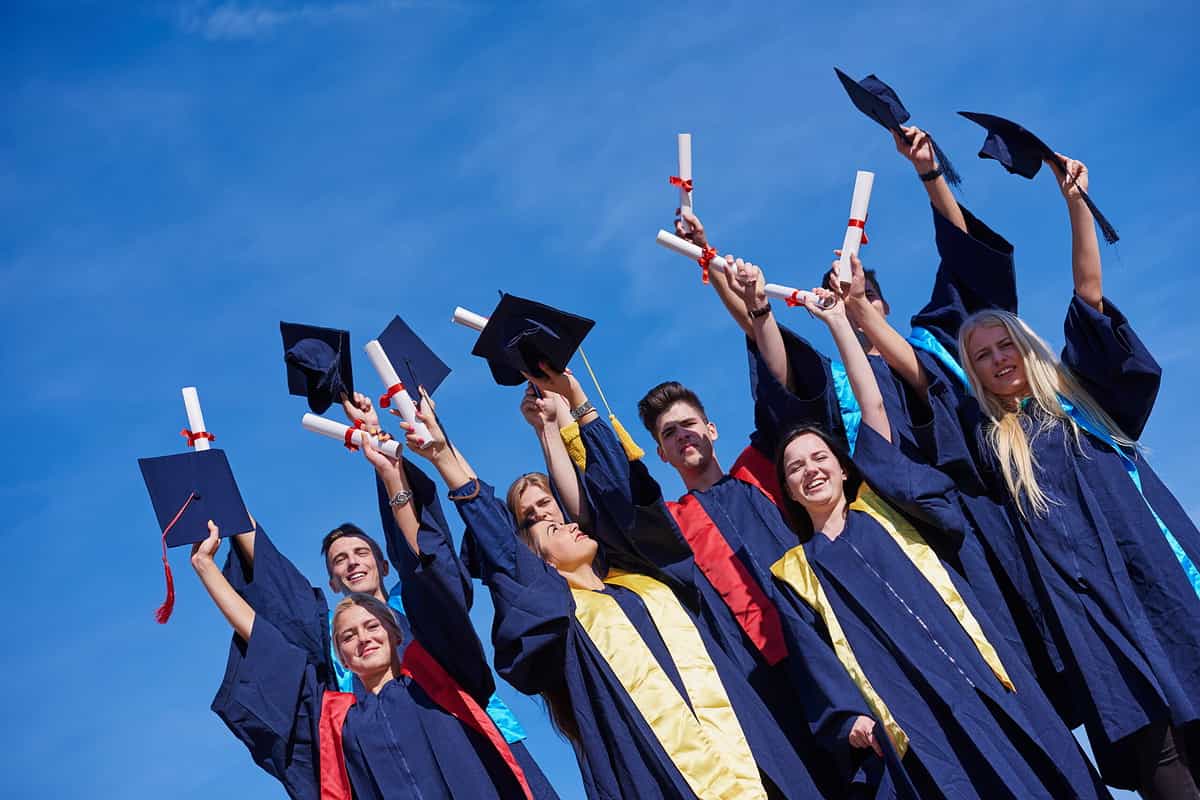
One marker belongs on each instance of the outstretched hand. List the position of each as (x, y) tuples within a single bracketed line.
[(381, 461), (544, 411), (1073, 179), (696, 235), (917, 146), (435, 446), (748, 281), (359, 408), (204, 552)]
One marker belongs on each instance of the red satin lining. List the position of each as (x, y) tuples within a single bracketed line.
[(753, 610), (335, 781), (757, 470)]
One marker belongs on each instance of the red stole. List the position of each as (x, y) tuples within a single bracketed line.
[(427, 673), (753, 610)]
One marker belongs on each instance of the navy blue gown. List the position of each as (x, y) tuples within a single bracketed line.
[(541, 648), (809, 693), (398, 743), (969, 735), (975, 272), (1121, 606)]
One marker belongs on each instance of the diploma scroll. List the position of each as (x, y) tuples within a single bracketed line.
[(396, 393), (468, 319), (791, 296), (685, 175), (856, 227), (336, 430), (191, 403)]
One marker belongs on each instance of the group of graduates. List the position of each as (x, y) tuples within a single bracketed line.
[(939, 554)]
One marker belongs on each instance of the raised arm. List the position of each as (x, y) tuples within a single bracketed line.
[(232, 605), (725, 291), (1085, 245), (916, 146), (548, 414), (854, 358)]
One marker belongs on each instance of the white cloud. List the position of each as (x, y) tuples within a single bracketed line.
[(232, 21)]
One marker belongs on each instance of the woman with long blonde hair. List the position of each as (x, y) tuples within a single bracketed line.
[(1114, 556)]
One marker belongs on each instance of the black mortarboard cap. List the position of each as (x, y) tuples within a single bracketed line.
[(187, 490), (318, 363), (1022, 153), (520, 333), (880, 102), (412, 359)]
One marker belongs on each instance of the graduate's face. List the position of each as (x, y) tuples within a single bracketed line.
[(814, 476), (563, 545), (353, 567), (536, 504), (685, 438), (998, 362), (365, 644)]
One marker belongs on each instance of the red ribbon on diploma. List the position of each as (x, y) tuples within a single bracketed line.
[(705, 258), (859, 223), (685, 185), (385, 399), (350, 445), (793, 299), (192, 437)]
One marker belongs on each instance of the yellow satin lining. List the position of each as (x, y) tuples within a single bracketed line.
[(794, 570), (707, 746), (927, 562), (573, 440)]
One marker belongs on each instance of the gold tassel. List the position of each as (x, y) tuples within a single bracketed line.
[(632, 451)]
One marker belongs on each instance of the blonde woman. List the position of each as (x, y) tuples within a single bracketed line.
[(1113, 554)]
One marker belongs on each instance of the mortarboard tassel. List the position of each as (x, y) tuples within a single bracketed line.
[(164, 611), (1106, 228), (632, 451), (948, 171)]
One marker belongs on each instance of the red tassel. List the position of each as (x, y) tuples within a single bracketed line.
[(164, 611)]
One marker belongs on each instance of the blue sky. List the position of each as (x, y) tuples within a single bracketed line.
[(175, 178)]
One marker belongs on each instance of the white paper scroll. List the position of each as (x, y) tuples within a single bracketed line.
[(788, 294), (468, 319), (191, 402), (685, 175), (856, 227), (336, 430), (397, 396)]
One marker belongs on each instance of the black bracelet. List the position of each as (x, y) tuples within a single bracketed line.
[(932, 175), (761, 311)]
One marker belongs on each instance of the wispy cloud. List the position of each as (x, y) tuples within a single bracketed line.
[(232, 21)]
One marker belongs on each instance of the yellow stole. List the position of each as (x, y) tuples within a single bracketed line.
[(794, 570), (929, 565), (705, 742)]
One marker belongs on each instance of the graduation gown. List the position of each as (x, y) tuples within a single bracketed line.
[(973, 719), (543, 646), (398, 743), (975, 272), (1123, 609), (807, 692)]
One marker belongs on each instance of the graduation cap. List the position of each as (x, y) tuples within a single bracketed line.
[(412, 359), (187, 490), (1022, 153), (318, 363), (880, 102), (521, 333)]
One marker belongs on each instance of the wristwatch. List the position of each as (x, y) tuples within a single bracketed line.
[(401, 499), (761, 311), (932, 175), (579, 412)]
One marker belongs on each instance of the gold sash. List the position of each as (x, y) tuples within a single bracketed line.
[(707, 746), (927, 562)]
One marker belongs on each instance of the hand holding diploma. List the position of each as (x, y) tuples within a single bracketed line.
[(396, 393), (856, 228), (351, 437)]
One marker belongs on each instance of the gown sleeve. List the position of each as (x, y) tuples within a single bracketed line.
[(278, 592), (270, 699), (435, 587), (534, 607), (1112, 363), (975, 272), (920, 491), (812, 399)]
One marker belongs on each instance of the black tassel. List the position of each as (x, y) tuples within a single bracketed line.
[(1106, 228), (948, 171)]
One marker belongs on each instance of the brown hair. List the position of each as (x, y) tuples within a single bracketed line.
[(662, 397), (795, 513), (351, 530)]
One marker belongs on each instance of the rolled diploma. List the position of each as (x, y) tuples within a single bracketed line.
[(693, 251), (685, 174), (191, 402), (863, 182), (468, 319), (336, 430), (401, 399)]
